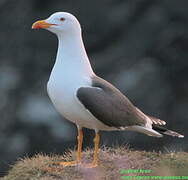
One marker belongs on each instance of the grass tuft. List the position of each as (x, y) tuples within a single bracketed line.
[(112, 160)]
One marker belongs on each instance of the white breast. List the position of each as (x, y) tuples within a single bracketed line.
[(62, 93), (71, 71)]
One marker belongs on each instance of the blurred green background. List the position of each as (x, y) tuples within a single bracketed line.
[(141, 46)]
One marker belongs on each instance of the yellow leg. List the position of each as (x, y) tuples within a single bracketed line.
[(79, 151), (80, 141), (96, 152)]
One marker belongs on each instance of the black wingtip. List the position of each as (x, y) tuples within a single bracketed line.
[(173, 133), (163, 130)]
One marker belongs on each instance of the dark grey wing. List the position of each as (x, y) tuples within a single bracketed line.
[(109, 105)]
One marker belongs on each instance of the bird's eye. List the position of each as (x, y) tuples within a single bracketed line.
[(62, 19)]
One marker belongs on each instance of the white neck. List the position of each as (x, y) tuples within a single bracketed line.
[(71, 56)]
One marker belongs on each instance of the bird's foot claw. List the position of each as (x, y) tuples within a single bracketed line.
[(60, 165), (69, 163), (91, 165)]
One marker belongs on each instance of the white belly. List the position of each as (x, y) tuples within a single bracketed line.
[(63, 96)]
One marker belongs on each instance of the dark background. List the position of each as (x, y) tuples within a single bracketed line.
[(141, 46)]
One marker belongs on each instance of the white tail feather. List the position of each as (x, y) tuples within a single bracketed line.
[(145, 130)]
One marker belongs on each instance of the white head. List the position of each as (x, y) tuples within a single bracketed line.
[(59, 23)]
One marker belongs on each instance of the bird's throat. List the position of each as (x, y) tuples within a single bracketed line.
[(71, 55)]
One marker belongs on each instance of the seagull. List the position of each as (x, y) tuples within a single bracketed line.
[(84, 98)]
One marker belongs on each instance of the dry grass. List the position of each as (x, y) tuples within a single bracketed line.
[(112, 160)]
